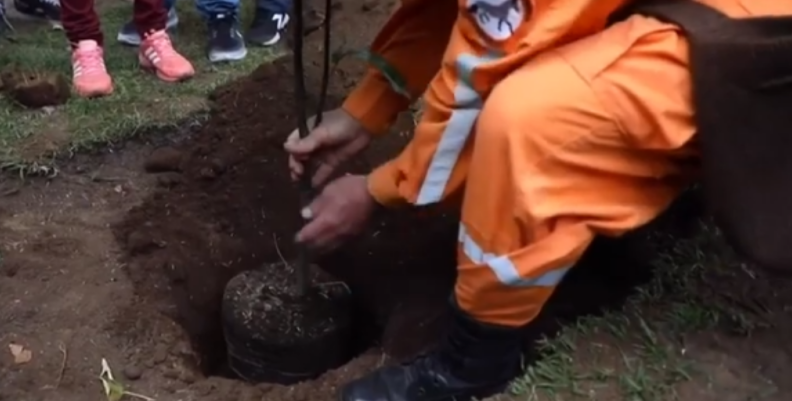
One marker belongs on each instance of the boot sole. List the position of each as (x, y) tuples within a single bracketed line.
[(234, 55), (165, 78)]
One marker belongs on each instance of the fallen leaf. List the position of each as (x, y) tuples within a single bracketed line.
[(21, 355), (115, 390)]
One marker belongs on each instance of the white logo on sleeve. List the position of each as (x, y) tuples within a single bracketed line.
[(497, 18)]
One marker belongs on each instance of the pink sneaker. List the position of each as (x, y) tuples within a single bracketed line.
[(89, 75), (157, 53)]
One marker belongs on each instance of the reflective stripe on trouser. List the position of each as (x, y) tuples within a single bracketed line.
[(492, 288), (585, 139)]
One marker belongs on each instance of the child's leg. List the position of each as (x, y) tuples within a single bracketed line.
[(129, 35), (149, 16), (211, 8), (80, 21), (89, 75), (156, 50), (222, 18), (276, 6)]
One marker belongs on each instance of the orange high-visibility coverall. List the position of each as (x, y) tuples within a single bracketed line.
[(556, 127)]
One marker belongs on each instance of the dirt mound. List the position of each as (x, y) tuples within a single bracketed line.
[(234, 208)]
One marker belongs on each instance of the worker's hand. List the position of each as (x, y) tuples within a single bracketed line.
[(340, 211), (334, 141)]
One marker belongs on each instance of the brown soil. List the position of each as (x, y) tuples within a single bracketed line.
[(276, 334), (200, 241), (111, 261), (264, 301), (34, 90)]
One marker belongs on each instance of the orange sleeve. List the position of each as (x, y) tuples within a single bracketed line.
[(426, 171), (433, 166), (412, 42)]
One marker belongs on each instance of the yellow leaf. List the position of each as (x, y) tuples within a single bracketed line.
[(116, 390), (20, 353)]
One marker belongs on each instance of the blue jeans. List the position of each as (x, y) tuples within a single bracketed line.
[(275, 6), (211, 7)]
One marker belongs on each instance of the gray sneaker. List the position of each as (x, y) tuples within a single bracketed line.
[(49, 10), (5, 24), (128, 34)]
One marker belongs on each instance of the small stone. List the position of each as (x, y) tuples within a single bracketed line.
[(188, 377), (139, 242), (162, 160), (265, 388), (249, 394), (218, 165), (160, 354), (169, 180), (182, 348), (9, 269), (171, 387), (132, 372), (207, 173), (171, 374)]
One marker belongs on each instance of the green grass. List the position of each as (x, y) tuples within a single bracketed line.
[(30, 139), (640, 353)]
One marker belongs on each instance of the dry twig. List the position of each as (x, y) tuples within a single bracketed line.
[(65, 353), (277, 249)]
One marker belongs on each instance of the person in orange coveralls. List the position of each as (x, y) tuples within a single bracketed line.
[(555, 125)]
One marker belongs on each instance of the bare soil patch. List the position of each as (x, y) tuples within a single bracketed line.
[(126, 253)]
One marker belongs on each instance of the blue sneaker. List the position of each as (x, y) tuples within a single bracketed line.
[(267, 27), (128, 34), (225, 41)]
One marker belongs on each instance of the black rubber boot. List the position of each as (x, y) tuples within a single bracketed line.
[(475, 360)]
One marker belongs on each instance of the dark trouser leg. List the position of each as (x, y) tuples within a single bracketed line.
[(80, 21)]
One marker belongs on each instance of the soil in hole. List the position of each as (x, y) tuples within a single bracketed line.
[(228, 205), (276, 334)]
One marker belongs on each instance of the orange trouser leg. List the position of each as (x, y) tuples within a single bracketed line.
[(580, 141), (592, 138)]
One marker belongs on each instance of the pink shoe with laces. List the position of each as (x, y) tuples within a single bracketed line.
[(157, 53), (89, 75)]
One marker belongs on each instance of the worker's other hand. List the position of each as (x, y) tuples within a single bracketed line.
[(339, 137), (340, 211)]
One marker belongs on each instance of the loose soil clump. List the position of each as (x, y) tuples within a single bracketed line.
[(33, 89)]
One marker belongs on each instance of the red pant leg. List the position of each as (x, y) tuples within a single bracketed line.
[(80, 21), (150, 15)]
